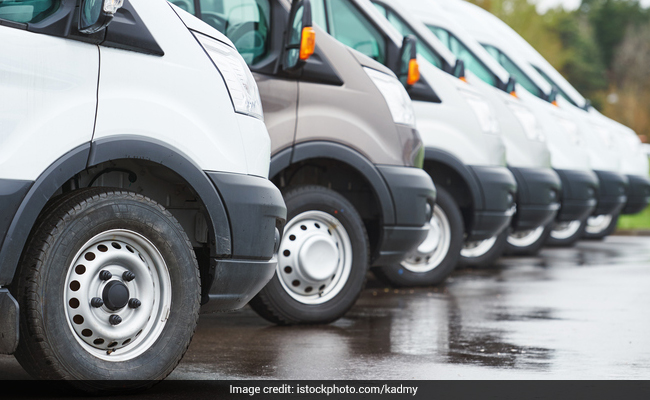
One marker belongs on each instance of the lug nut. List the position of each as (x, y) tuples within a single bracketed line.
[(134, 303), (105, 275), (128, 276), (96, 302), (115, 319)]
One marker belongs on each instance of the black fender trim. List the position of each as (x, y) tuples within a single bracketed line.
[(461, 169), (280, 161), (38, 195), (144, 148), (324, 149)]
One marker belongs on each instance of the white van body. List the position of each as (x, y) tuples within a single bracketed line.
[(604, 157), (527, 153), (140, 134)]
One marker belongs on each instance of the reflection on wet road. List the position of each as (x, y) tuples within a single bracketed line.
[(570, 313)]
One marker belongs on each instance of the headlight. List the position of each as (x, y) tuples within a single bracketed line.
[(483, 111), (239, 80), (571, 128), (528, 121), (398, 100)]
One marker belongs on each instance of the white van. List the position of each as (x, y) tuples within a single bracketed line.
[(604, 158), (634, 161), (570, 161), (527, 154), (133, 172)]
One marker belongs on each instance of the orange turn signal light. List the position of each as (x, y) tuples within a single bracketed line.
[(554, 102), (514, 94), (462, 78), (307, 43), (414, 72)]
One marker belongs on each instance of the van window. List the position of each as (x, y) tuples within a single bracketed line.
[(514, 71), (245, 22), (472, 63), (348, 25), (25, 11), (556, 87), (404, 29)]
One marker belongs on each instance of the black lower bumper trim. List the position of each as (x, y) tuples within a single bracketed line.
[(612, 194), (8, 322), (397, 242), (538, 194), (579, 191), (236, 282), (499, 188), (255, 209), (638, 194)]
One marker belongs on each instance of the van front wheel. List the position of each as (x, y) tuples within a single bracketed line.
[(109, 289), (435, 258), (322, 260)]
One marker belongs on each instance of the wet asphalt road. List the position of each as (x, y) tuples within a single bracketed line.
[(577, 313)]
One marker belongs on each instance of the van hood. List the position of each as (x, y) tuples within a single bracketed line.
[(366, 61), (197, 25)]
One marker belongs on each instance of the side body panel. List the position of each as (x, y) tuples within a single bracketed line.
[(355, 114), (48, 101), (178, 98)]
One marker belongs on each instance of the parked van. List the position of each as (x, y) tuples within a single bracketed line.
[(557, 130), (527, 154), (129, 197), (604, 159), (634, 161), (465, 154), (346, 154)]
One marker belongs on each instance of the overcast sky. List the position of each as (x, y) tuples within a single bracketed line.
[(542, 5)]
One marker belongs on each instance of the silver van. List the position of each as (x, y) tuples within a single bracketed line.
[(345, 153)]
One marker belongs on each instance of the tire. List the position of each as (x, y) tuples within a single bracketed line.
[(437, 257), (484, 253), (324, 229), (598, 228), (527, 243), (568, 234), (64, 334)]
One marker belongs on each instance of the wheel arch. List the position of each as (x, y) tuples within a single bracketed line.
[(450, 173), (346, 158), (83, 157)]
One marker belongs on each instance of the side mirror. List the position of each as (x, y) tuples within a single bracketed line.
[(300, 41), (409, 69), (459, 70), (95, 15)]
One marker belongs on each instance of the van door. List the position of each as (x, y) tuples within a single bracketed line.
[(49, 91), (256, 31)]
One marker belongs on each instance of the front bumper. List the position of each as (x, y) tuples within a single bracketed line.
[(414, 196), (579, 189), (498, 187), (8, 322), (538, 197), (256, 212), (612, 194), (638, 194)]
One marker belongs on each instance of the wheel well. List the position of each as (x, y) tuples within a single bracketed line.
[(164, 186), (343, 179), (446, 177)]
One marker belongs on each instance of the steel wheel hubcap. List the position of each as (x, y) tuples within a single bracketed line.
[(477, 248), (525, 238), (117, 295), (435, 247), (315, 257), (564, 230), (597, 224)]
